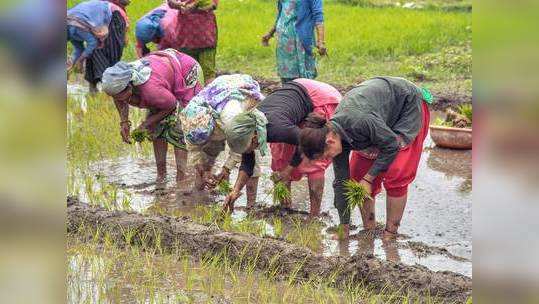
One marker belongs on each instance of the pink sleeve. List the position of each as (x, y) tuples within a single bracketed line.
[(158, 97)]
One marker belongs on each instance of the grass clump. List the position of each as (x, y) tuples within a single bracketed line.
[(280, 192), (140, 135), (224, 187), (441, 122), (466, 110), (355, 194)]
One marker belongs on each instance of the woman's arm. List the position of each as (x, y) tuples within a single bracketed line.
[(245, 172), (384, 139), (125, 124), (341, 169), (318, 18), (153, 119)]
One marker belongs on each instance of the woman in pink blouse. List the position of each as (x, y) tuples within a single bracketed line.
[(160, 82)]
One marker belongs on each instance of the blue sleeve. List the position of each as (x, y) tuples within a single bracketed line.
[(317, 11), (91, 45), (78, 47)]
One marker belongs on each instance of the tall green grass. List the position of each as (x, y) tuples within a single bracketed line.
[(362, 41)]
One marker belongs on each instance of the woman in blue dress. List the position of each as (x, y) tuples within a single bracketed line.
[(294, 25)]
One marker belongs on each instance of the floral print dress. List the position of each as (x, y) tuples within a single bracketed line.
[(292, 59)]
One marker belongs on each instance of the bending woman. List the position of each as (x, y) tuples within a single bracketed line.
[(278, 120), (160, 82), (204, 119), (158, 26), (384, 121)]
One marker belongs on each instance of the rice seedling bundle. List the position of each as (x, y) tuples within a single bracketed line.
[(355, 194), (280, 192)]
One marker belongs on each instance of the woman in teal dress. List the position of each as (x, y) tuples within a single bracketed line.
[(295, 24)]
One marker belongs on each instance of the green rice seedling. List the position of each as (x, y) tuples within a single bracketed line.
[(204, 3), (277, 227), (441, 122), (140, 135), (466, 110), (355, 194), (280, 192), (224, 187)]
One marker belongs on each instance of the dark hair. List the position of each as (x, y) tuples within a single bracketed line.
[(312, 137)]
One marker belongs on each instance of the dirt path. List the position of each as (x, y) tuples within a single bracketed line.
[(199, 240)]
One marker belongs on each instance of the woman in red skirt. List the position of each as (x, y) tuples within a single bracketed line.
[(383, 122)]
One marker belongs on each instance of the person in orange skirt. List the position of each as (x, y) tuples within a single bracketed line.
[(383, 122), (277, 120)]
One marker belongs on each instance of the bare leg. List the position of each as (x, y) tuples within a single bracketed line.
[(368, 214), (316, 190), (92, 88), (251, 189), (160, 153), (394, 209), (180, 156)]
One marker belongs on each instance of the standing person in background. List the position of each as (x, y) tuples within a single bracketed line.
[(113, 48), (162, 82), (383, 122), (294, 25), (158, 26), (197, 32)]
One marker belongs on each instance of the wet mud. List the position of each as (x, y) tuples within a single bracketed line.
[(267, 253)]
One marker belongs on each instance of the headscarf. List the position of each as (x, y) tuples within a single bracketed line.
[(149, 27), (427, 96), (116, 78), (240, 131), (217, 104)]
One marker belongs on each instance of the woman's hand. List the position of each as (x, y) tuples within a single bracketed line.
[(125, 129), (228, 207), (284, 175), (223, 175), (266, 38), (321, 46)]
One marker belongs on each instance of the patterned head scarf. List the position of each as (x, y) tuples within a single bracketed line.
[(427, 96), (240, 131), (116, 78)]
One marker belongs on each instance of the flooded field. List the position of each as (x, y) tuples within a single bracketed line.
[(435, 230)]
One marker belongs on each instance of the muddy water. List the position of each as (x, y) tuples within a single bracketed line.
[(437, 217), (436, 226)]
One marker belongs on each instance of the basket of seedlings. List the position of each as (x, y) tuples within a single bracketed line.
[(455, 131)]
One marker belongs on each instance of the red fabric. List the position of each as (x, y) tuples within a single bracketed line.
[(196, 30), (403, 169), (325, 99), (170, 83)]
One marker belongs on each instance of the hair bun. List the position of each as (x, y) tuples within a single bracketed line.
[(315, 121)]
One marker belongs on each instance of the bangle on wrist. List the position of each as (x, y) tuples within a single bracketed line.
[(125, 121), (368, 181)]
